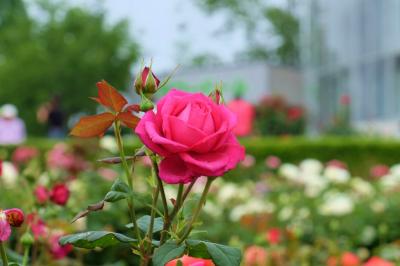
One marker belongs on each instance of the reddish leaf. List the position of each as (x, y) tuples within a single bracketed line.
[(110, 97), (128, 119), (133, 108), (94, 125)]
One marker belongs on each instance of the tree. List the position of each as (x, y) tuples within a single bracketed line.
[(262, 22), (64, 55)]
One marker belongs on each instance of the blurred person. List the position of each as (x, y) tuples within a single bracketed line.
[(12, 128), (52, 114), (245, 113)]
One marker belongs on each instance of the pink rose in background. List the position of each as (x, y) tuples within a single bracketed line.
[(376, 261), (24, 154), (272, 162), (245, 112), (59, 194), (274, 236), (41, 194), (5, 228), (56, 250), (248, 161), (15, 217), (350, 259), (379, 170), (255, 256), (337, 163), (193, 134), (191, 261), (37, 225)]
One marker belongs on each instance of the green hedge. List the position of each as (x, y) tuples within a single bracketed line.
[(359, 153)]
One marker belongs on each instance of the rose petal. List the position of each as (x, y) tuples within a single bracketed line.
[(182, 132), (213, 141), (5, 229), (157, 138), (174, 171)]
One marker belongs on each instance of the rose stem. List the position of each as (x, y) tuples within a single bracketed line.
[(117, 131), (26, 256), (3, 254), (202, 201)]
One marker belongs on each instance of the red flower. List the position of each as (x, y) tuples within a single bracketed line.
[(24, 154), (15, 217), (41, 194), (56, 250), (350, 259), (345, 99), (376, 261), (59, 194), (255, 256), (379, 170), (294, 113), (190, 261), (274, 236), (273, 162), (332, 261)]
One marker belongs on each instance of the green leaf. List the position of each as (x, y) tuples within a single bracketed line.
[(144, 223), (119, 191), (167, 252), (221, 255), (93, 239)]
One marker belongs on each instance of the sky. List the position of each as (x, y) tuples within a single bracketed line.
[(171, 31)]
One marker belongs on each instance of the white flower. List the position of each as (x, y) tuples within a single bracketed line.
[(378, 206), (389, 181), (212, 209), (311, 166), (109, 143), (362, 187), (230, 191), (10, 174), (289, 171), (395, 170), (252, 207), (285, 214), (336, 174), (368, 235), (336, 204)]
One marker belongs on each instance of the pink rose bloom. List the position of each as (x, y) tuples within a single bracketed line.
[(37, 225), (248, 161), (24, 154), (41, 194), (376, 261), (379, 170), (56, 250), (245, 113), (272, 162), (191, 261), (255, 256), (337, 163), (59, 194), (5, 228), (193, 134)]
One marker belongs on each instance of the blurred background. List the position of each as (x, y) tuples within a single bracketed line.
[(315, 85)]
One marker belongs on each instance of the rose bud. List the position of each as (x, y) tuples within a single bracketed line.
[(15, 217), (59, 194), (27, 239), (41, 194), (145, 83)]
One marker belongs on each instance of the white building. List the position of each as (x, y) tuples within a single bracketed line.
[(353, 47), (255, 79)]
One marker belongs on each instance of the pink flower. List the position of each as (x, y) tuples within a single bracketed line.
[(5, 228), (294, 113), (350, 259), (248, 161), (337, 163), (272, 162), (255, 256), (274, 236), (193, 134), (41, 194), (379, 170), (59, 194), (376, 261), (191, 261), (37, 225), (245, 113), (332, 261), (24, 154), (345, 99), (56, 250)]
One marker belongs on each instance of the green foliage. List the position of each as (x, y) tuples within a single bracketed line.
[(93, 239), (144, 223), (221, 255), (119, 191), (64, 52), (167, 252)]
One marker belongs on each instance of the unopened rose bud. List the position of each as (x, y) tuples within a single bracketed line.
[(216, 96), (59, 194), (27, 239), (146, 82), (15, 217)]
